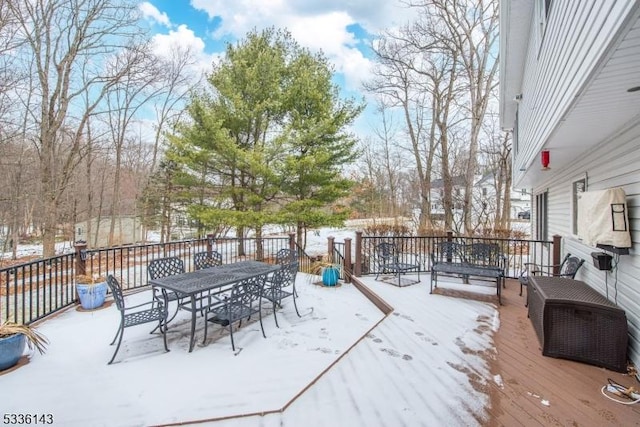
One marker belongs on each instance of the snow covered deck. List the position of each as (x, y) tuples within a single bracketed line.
[(431, 360)]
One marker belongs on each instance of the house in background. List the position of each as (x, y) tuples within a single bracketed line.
[(483, 200), (128, 230), (570, 93)]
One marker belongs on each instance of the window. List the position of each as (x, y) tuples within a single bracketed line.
[(543, 9), (484, 191), (515, 132), (579, 186), (542, 232)]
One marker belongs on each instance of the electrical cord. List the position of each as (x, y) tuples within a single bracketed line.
[(615, 283), (630, 395)]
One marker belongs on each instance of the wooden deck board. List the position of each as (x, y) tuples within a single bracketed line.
[(573, 389)]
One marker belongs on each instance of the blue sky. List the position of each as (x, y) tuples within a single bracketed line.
[(342, 29)]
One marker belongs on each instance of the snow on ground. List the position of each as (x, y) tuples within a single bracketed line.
[(316, 239), (342, 363)]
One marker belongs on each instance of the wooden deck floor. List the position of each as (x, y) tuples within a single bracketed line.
[(538, 390)]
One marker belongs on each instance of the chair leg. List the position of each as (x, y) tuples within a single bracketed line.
[(273, 305), (120, 330), (233, 346), (296, 305), (206, 323), (261, 325), (117, 348), (163, 329), (175, 313)]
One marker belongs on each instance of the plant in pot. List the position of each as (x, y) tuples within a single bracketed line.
[(91, 291), (13, 338), (329, 272)]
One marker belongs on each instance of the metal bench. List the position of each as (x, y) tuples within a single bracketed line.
[(477, 259)]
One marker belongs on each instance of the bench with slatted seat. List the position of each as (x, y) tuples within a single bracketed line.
[(474, 260)]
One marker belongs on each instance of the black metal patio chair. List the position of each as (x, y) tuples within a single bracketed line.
[(274, 288), (567, 268), (164, 267), (207, 259), (243, 302), (152, 311), (286, 256), (390, 260)]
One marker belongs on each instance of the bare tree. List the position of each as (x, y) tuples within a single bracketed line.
[(395, 82), (469, 31), (65, 45), (497, 152), (177, 79), (124, 99)]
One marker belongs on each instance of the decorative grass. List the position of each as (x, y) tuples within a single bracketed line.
[(34, 338)]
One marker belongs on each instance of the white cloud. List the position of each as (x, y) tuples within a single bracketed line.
[(184, 39), (151, 12), (315, 25)]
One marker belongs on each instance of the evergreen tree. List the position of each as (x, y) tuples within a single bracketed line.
[(269, 139)]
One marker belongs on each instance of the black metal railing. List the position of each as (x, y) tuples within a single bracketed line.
[(518, 252), (33, 290)]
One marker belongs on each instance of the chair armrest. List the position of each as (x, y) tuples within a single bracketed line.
[(415, 256), (504, 260), (160, 295), (543, 265), (144, 304)]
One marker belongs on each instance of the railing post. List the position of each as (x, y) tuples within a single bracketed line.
[(81, 257), (211, 242), (557, 239), (292, 241), (347, 260), (357, 270), (449, 236), (330, 246)]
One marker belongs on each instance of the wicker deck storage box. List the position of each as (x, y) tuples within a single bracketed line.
[(573, 321)]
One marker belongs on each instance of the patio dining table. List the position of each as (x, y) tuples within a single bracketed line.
[(194, 284)]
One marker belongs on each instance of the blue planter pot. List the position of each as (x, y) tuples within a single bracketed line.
[(11, 349), (92, 296), (330, 276)]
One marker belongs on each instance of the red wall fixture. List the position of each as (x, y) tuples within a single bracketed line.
[(544, 159)]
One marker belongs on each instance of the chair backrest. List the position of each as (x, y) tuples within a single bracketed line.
[(164, 267), (207, 259), (116, 290), (570, 266), (447, 251), (247, 292), (286, 256), (285, 276), (386, 253), (487, 254)]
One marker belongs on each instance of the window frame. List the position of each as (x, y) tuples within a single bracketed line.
[(577, 186), (542, 216)]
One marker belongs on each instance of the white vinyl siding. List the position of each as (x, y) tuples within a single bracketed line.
[(576, 35), (614, 163)]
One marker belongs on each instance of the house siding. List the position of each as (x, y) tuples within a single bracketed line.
[(559, 62), (614, 163)]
